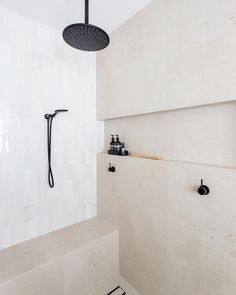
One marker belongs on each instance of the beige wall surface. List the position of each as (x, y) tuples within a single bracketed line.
[(172, 240), (172, 54), (203, 135)]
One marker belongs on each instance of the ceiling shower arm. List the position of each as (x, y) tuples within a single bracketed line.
[(86, 11)]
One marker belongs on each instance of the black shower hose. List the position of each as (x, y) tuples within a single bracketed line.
[(49, 139)]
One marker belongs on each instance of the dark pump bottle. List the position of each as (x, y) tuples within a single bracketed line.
[(118, 143), (112, 143)]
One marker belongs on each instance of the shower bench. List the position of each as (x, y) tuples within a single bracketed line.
[(81, 259)]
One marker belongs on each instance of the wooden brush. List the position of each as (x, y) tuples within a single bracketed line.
[(145, 156)]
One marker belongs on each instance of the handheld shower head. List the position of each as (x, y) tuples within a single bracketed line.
[(60, 111), (47, 116)]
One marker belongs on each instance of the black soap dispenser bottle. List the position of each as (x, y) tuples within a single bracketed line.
[(118, 144), (112, 143)]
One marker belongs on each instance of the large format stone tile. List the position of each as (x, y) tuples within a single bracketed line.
[(144, 256), (91, 267), (45, 280), (122, 88), (107, 205), (216, 211), (77, 235), (200, 55), (145, 181), (87, 253), (24, 257), (201, 262), (107, 188), (21, 258), (182, 55), (106, 179)]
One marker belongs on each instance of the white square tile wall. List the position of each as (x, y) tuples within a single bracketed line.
[(38, 74)]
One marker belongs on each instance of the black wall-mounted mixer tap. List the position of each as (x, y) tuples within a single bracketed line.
[(203, 190)]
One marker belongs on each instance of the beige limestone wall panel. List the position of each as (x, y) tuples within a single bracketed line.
[(89, 268), (172, 240), (200, 44), (170, 55), (131, 73)]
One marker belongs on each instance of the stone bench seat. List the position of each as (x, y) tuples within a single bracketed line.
[(78, 259)]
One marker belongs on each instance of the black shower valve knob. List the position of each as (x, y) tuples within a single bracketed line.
[(111, 168), (203, 190)]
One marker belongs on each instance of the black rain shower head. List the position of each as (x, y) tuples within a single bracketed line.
[(84, 36)]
